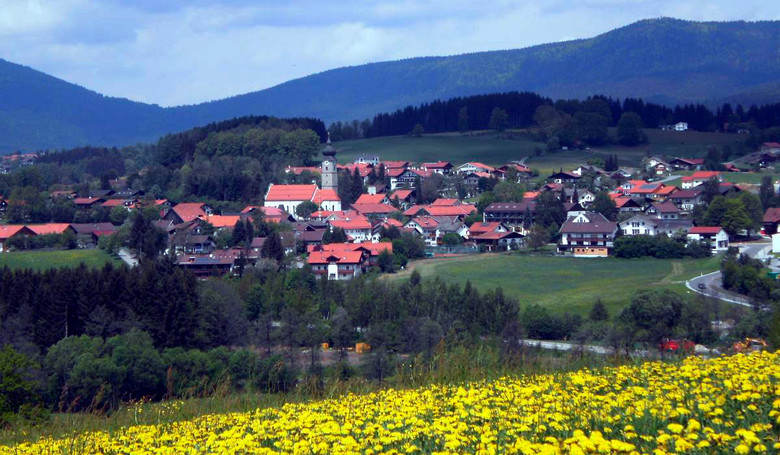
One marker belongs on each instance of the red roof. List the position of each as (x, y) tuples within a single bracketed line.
[(86, 200), (401, 194), (363, 169), (771, 144), (772, 215), (621, 201), (707, 230), (437, 165), (493, 235), (321, 196), (395, 172), (223, 221), (370, 199), (189, 211), (531, 194), (395, 164), (113, 203), (442, 210), (392, 222), (366, 209), (351, 223), (482, 166), (705, 175), (445, 202), (373, 248), (291, 192), (10, 230), (49, 228), (482, 227), (425, 222), (342, 257), (297, 170)]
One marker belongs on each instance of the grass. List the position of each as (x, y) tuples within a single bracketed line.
[(565, 284), (43, 260), (492, 149), (734, 177)]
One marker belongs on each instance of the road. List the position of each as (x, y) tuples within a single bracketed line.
[(128, 257), (712, 281), (569, 346)]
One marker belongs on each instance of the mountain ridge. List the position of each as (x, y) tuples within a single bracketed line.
[(663, 60)]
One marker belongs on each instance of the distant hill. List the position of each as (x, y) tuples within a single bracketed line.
[(662, 60)]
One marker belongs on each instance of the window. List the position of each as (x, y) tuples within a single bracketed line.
[(635, 232)]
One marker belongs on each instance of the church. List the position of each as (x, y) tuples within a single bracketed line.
[(289, 197)]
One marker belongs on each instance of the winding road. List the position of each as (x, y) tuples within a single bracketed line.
[(710, 284)]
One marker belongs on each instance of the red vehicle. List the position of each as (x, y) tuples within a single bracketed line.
[(669, 345)]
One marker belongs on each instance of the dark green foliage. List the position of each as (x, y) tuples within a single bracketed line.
[(409, 245), (499, 120), (653, 314), (19, 389), (658, 246), (334, 235), (629, 129), (604, 205), (599, 312), (305, 209), (747, 276), (272, 247)]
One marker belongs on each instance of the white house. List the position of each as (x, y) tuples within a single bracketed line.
[(646, 225), (585, 198), (468, 168), (338, 265), (372, 160), (358, 227), (715, 235), (681, 126), (289, 197)]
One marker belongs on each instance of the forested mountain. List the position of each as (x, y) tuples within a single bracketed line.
[(661, 60)]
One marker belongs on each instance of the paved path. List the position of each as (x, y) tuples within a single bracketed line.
[(128, 257), (711, 284)]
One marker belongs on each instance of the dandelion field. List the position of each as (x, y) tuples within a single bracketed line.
[(722, 405)]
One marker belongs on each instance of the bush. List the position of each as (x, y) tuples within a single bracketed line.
[(659, 246)]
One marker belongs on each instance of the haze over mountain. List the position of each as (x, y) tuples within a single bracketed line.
[(663, 60)]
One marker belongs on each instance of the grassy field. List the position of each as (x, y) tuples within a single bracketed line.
[(491, 149), (43, 260), (733, 177), (565, 284)]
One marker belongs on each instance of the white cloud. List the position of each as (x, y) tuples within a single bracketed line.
[(181, 51)]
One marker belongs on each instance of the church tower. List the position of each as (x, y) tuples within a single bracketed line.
[(330, 177)]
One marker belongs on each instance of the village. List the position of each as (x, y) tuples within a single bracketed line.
[(307, 215)]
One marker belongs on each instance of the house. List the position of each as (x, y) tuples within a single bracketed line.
[(663, 211), (770, 147), (472, 178), (652, 191), (372, 249), (456, 209), (372, 160), (357, 227), (649, 225), (407, 178), (269, 214), (658, 165), (687, 199), (12, 230), (327, 199), (681, 126), (343, 265), (403, 198), (698, 178), (187, 211), (629, 185), (714, 235), (687, 164), (199, 244), (481, 227), (514, 214), (573, 208), (587, 168), (523, 171), (372, 199), (438, 167), (564, 177), (621, 174), (585, 198), (587, 235), (395, 165), (374, 210), (49, 228), (771, 220), (433, 228), (88, 234), (497, 241), (627, 204), (205, 265), (87, 203), (468, 168), (223, 221)]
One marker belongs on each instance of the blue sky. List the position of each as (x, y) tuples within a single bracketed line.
[(181, 52)]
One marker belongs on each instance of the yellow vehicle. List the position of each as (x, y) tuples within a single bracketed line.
[(749, 345)]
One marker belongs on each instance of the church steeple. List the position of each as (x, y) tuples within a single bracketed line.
[(330, 178)]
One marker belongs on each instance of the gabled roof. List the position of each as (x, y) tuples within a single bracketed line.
[(689, 193), (690, 161), (706, 230), (503, 207), (370, 198), (114, 203), (666, 207), (367, 209), (291, 192), (90, 228), (481, 227), (441, 210), (373, 248), (321, 196), (446, 202), (564, 175), (479, 165), (497, 235), (425, 222), (597, 224), (624, 201), (705, 175), (395, 164), (10, 230), (360, 222), (341, 257), (188, 211), (87, 200), (401, 194), (772, 215), (437, 165), (48, 228)]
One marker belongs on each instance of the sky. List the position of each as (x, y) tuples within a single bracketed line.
[(172, 52)]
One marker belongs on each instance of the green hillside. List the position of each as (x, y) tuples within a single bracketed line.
[(663, 60)]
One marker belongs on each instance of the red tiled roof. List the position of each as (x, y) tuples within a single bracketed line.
[(392, 222), (297, 170), (395, 172), (223, 221), (395, 164), (667, 207), (531, 194), (342, 257), (10, 230), (437, 165), (772, 144), (368, 208), (482, 166), (666, 190), (705, 175), (321, 196), (622, 201), (711, 230), (189, 211), (482, 227), (351, 223), (86, 200), (370, 199), (113, 203), (442, 210), (493, 235), (445, 202), (291, 192), (401, 194), (425, 222), (49, 228), (373, 248)]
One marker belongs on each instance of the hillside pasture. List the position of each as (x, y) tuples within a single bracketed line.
[(45, 259)]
